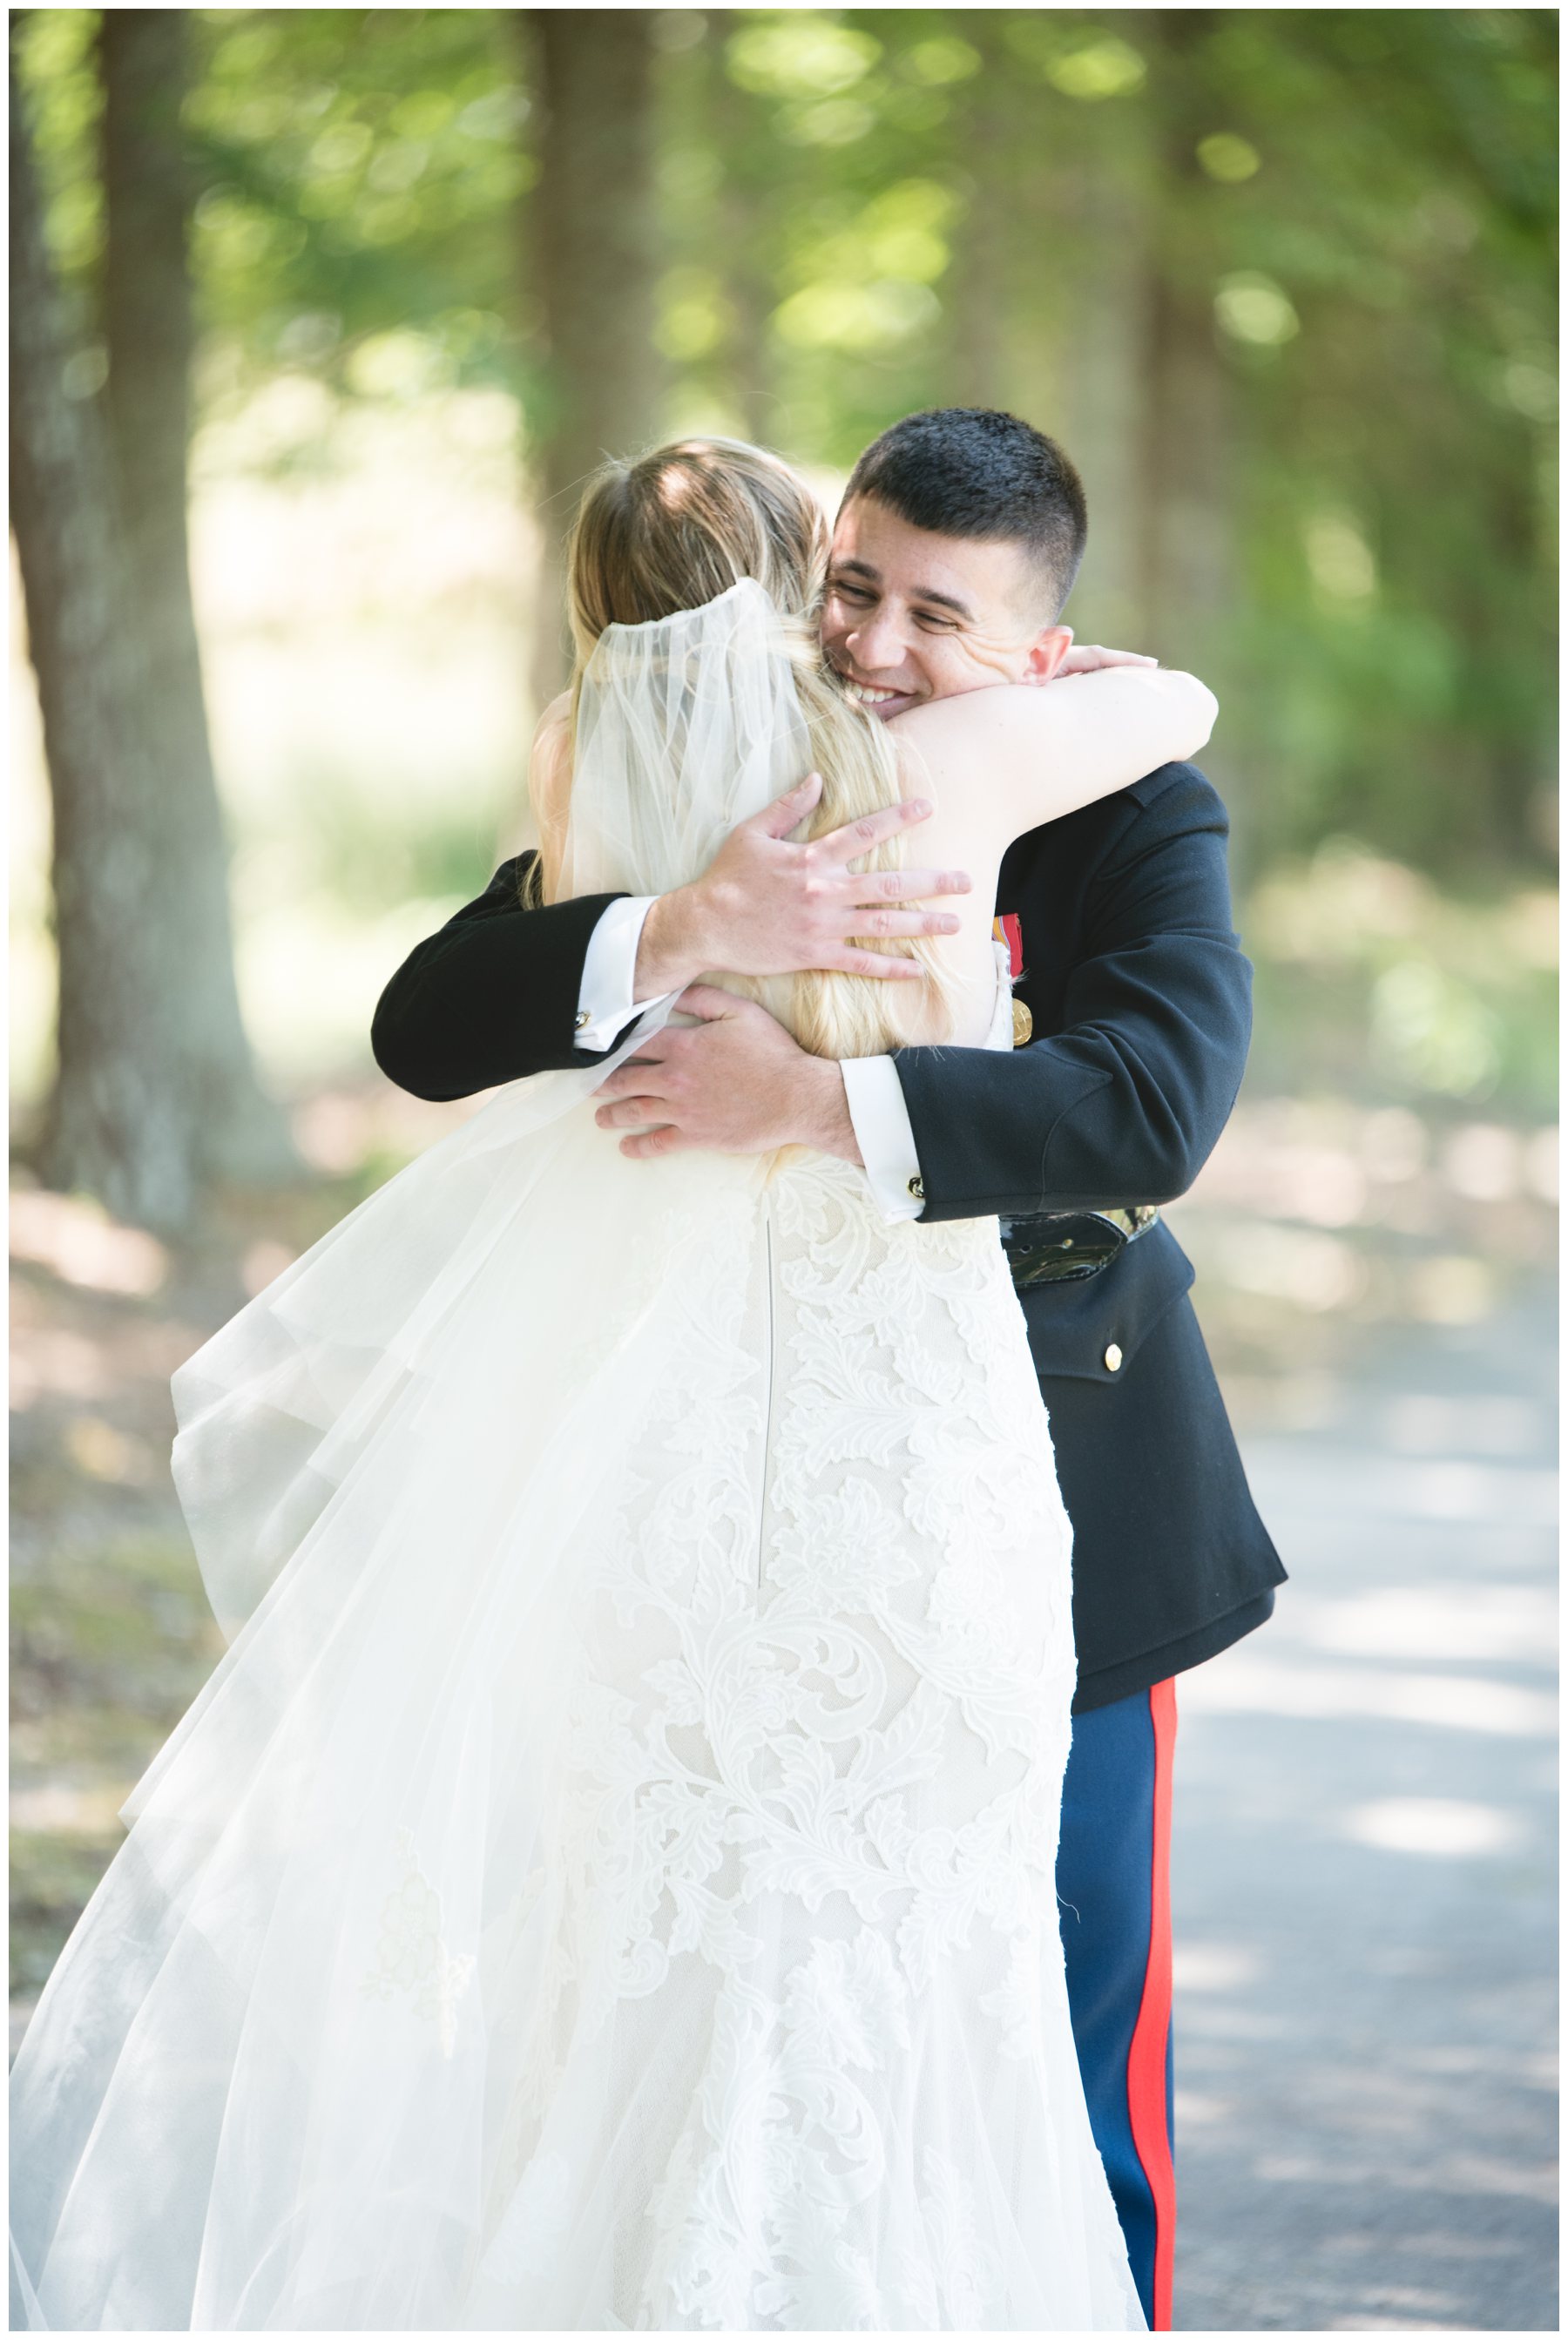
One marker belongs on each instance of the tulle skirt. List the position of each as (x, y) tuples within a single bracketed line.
[(607, 1883)]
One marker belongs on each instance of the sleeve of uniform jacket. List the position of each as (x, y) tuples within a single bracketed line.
[(1126, 1102), (489, 997)]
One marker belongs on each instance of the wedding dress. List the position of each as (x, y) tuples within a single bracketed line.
[(607, 1882)]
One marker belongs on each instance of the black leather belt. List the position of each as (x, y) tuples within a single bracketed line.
[(1066, 1246)]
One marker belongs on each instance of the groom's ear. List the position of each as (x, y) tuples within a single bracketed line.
[(1047, 652)]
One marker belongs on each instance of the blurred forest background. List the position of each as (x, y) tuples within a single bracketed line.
[(319, 317), (382, 285)]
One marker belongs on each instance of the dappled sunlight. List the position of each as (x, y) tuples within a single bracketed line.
[(1193, 2111), (310, 976), (261, 1262), (59, 1809), (342, 1132), (1318, 1217), (101, 1451), (1214, 1966), (1464, 1621), (1452, 1289), (48, 1360), (1445, 1831), (1364, 1486), (76, 1239), (1311, 1271), (1365, 1816), (1420, 1422), (1248, 1684)]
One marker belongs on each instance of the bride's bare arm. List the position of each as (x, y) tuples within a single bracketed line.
[(1026, 754)]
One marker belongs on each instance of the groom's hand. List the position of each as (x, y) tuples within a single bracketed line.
[(767, 906), (737, 1083)]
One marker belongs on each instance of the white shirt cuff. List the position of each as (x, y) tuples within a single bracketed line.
[(882, 1131), (604, 1003)]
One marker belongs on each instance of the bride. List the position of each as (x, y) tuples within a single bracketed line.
[(607, 1882)]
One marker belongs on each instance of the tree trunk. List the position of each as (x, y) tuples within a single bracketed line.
[(232, 1128), (1187, 538), (594, 254), (748, 201), (1186, 446), (976, 303), (113, 1127), (1103, 392)]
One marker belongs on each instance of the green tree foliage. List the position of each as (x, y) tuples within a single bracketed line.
[(1281, 278), (363, 170), (1354, 209)]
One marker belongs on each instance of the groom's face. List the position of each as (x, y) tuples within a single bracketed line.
[(909, 615)]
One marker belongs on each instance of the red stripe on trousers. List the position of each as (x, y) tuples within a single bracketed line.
[(1147, 2062)]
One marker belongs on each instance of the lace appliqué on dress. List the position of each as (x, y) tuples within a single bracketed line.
[(412, 1958), (818, 1740)]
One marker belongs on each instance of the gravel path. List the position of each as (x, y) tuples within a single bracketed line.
[(1365, 1896), (1364, 1868)]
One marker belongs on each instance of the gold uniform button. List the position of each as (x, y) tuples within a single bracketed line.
[(1112, 1359), (917, 1188), (583, 1019)]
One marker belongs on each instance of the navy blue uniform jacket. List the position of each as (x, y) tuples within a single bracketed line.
[(1141, 1001)]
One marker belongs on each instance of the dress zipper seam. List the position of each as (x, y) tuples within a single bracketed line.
[(768, 1402)]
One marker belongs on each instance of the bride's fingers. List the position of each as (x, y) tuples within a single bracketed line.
[(872, 829)]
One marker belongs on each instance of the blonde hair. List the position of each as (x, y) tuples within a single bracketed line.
[(673, 531)]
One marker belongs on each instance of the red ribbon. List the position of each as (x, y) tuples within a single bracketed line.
[(1007, 931)]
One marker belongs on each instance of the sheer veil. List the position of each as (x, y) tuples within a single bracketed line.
[(684, 728)]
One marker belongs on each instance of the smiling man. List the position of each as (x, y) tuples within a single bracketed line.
[(915, 611), (958, 541)]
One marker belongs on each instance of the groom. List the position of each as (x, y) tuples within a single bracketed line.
[(957, 539)]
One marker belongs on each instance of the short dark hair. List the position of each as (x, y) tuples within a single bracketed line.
[(972, 471)]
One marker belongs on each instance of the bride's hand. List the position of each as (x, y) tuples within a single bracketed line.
[(766, 907)]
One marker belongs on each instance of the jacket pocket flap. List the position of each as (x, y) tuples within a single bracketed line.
[(1092, 1331)]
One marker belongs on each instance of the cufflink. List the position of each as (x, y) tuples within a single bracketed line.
[(1113, 1358), (917, 1188), (583, 1019)]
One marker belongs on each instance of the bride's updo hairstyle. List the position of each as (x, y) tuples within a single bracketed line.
[(673, 531)]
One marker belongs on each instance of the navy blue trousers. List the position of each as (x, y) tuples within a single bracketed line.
[(1113, 1882)]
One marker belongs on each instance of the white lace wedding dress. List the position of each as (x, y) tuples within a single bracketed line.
[(606, 1884)]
